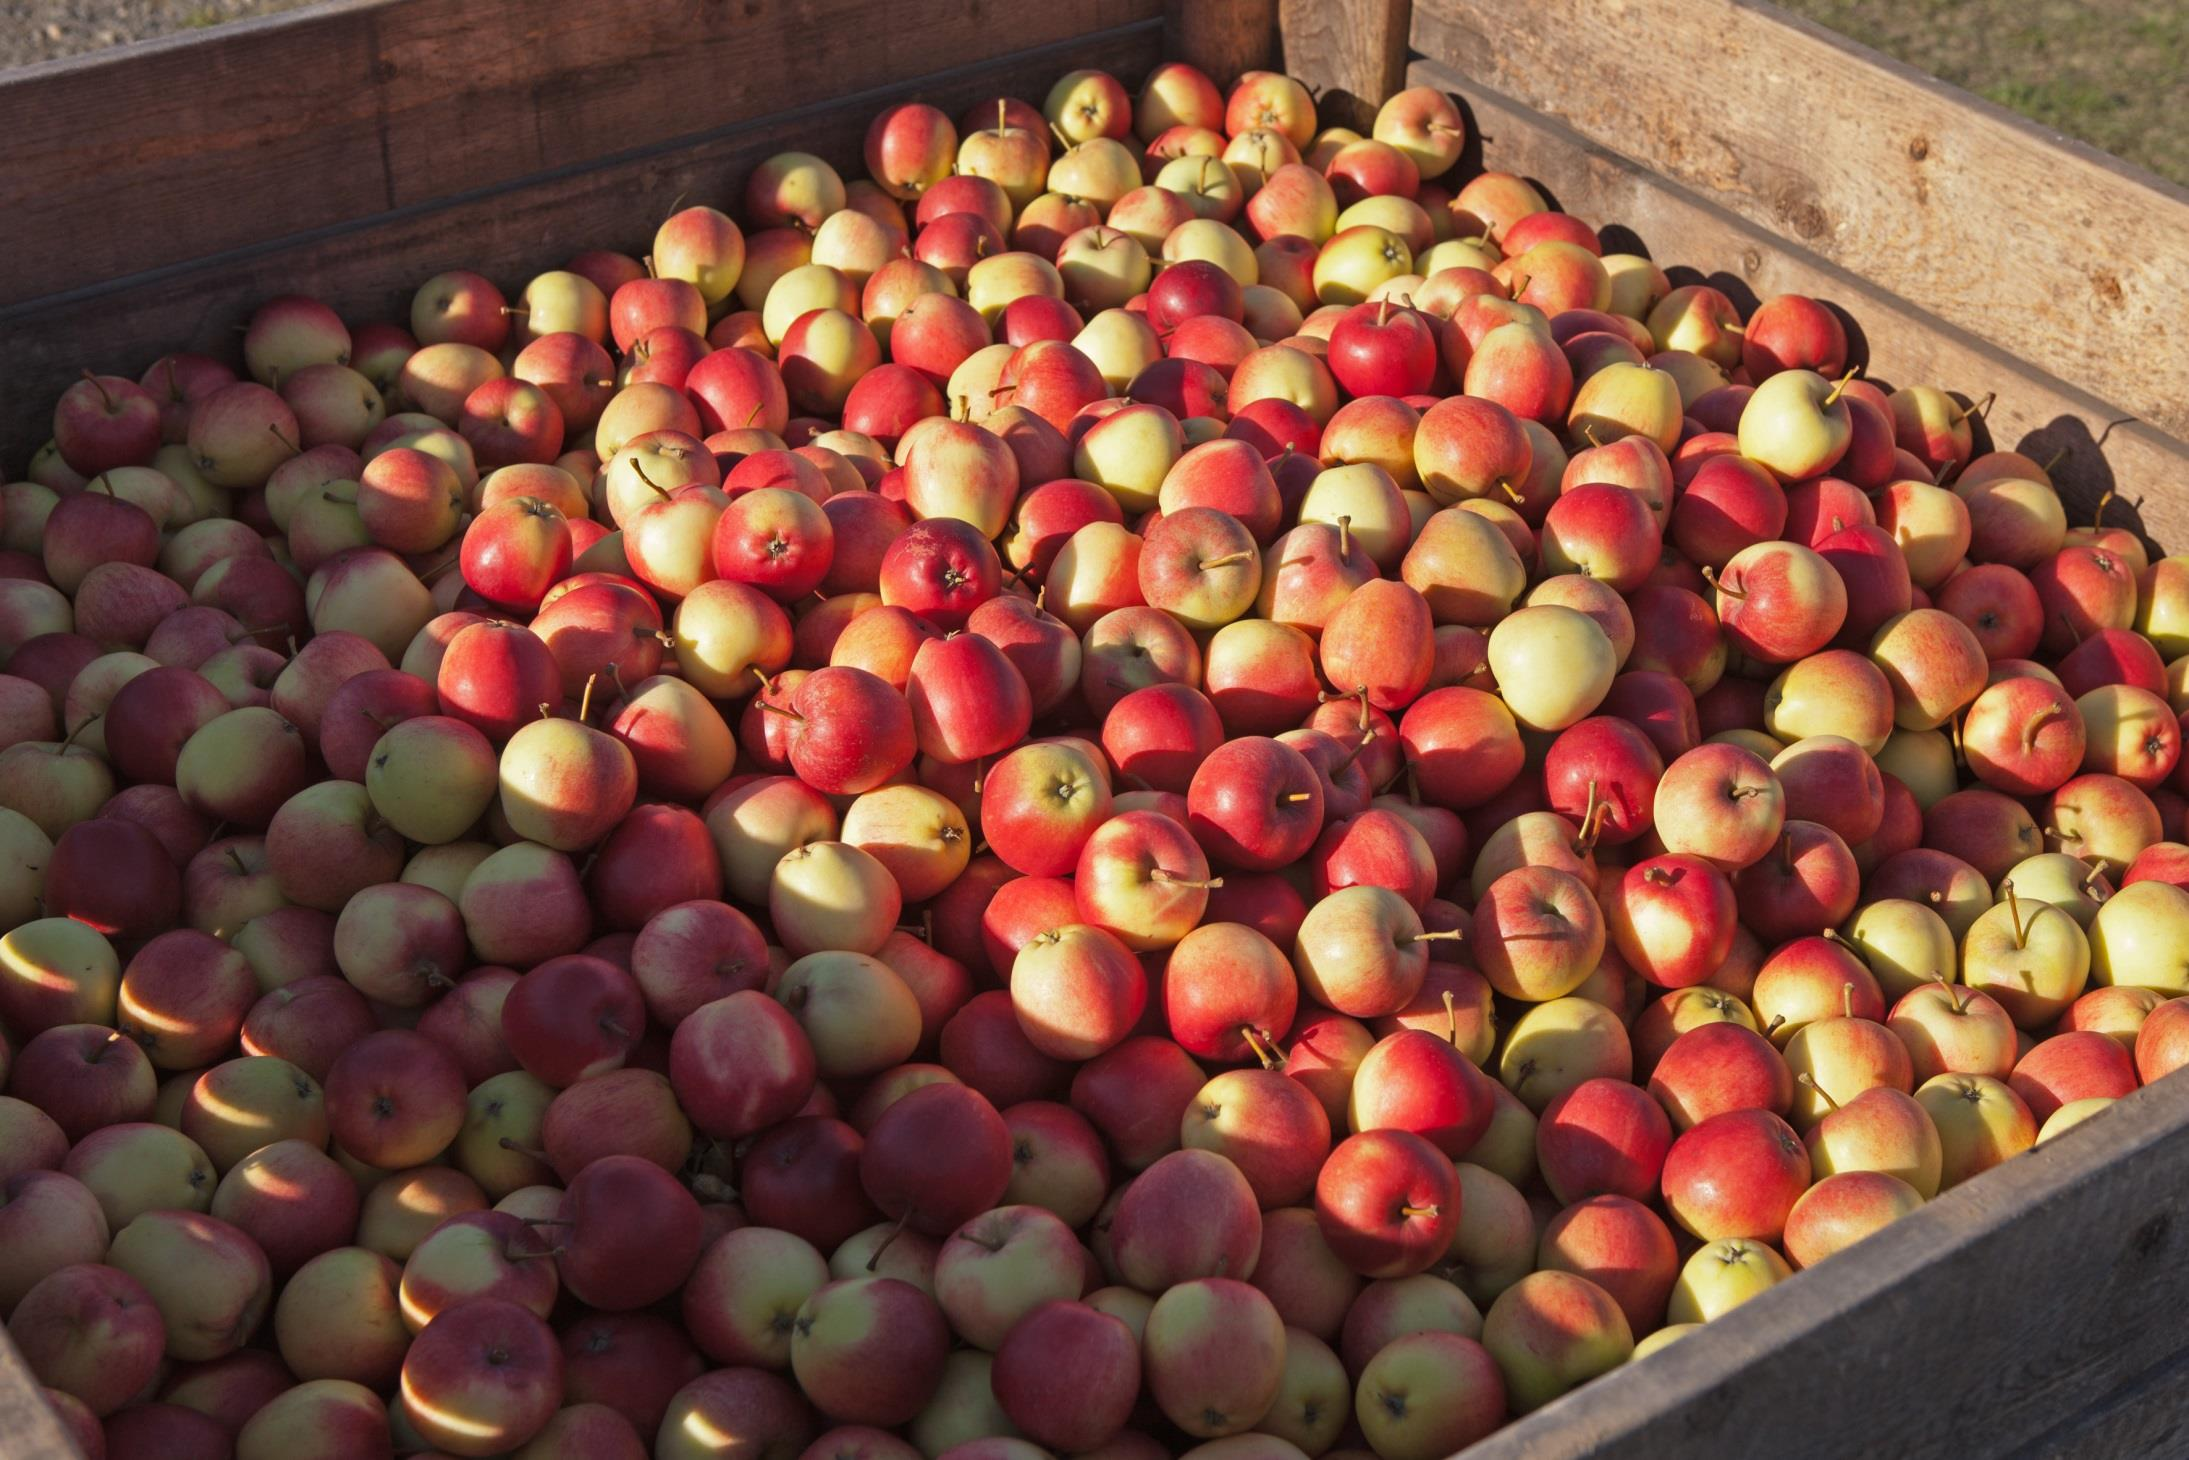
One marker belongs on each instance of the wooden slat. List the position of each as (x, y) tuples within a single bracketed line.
[(140, 157), (368, 272), (2040, 245), (1222, 39), (1351, 52), (28, 1430), (2035, 412), (1973, 1327)]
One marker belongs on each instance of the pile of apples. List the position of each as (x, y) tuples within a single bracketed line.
[(1194, 793)]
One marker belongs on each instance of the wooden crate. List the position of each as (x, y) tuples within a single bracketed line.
[(153, 196)]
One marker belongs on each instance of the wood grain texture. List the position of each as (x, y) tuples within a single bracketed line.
[(511, 233), (1973, 1327), (28, 1430), (1683, 230), (2040, 245), (1352, 53), (1222, 37), (149, 156)]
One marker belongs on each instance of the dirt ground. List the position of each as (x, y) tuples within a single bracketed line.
[(2113, 72)]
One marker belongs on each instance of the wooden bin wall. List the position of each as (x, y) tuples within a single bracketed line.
[(155, 195)]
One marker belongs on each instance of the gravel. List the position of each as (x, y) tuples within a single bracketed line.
[(44, 30)]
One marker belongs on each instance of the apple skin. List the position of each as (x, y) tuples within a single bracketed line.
[(483, 1377), (1154, 1246), (1388, 1202), (1552, 1331), (839, 1340), (1841, 1210), (89, 1331), (1602, 1137), (1736, 1175), (1212, 1356)]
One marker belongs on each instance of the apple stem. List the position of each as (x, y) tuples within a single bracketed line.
[(1833, 398), (235, 859), (1411, 1211), (1510, 490), (1345, 538), (1225, 561), (1298, 796), (1451, 1019), (585, 700), (1003, 115), (1710, 576), (1658, 874), (883, 1246), (1444, 935), (1069, 145), (104, 395), (2014, 913), (1847, 1000), (540, 1156), (62, 748), (1367, 738), (662, 637), (547, 711), (2097, 515), (283, 439), (515, 311), (2094, 885), (1383, 309), (1269, 1058), (659, 491), (1809, 1082), (1164, 874), (1586, 839), (1982, 406), (1786, 851), (1772, 1027), (1588, 432), (785, 711)]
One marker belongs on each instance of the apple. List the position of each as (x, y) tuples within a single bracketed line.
[(1552, 1331), (1213, 1356)]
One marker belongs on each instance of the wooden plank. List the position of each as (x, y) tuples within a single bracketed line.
[(2038, 244), (1222, 39), (368, 272), (2035, 412), (1351, 53), (1971, 1327), (2145, 1417), (32, 1433), (136, 158)]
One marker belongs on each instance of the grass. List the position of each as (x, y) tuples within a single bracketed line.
[(2114, 73)]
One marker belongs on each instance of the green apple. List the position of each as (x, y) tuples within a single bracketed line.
[(2028, 955), (1796, 425), (2140, 938), (1721, 1276), (1981, 1122), (1905, 944)]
